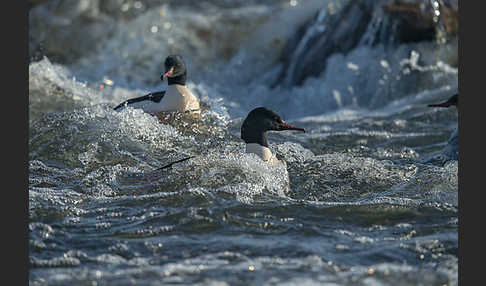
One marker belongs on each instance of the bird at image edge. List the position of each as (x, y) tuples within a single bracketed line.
[(451, 150)]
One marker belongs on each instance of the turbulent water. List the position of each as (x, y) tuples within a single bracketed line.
[(368, 196)]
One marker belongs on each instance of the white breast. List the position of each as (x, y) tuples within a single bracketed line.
[(177, 98), (263, 152)]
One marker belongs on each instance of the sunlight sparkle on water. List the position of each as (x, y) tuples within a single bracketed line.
[(125, 7), (108, 81), (352, 66)]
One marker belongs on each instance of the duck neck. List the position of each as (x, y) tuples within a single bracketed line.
[(180, 79), (255, 137)]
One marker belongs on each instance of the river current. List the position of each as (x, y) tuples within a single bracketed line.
[(370, 198)]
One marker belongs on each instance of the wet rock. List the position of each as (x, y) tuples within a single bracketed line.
[(409, 23), (417, 20), (306, 53), (360, 22)]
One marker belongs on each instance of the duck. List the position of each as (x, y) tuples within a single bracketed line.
[(451, 151), (177, 97), (452, 101), (254, 132)]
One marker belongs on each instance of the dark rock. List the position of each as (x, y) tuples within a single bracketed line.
[(362, 22), (306, 53)]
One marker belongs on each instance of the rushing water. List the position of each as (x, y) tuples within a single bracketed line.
[(367, 196)]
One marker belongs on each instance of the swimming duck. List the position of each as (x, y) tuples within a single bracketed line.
[(177, 97), (254, 132)]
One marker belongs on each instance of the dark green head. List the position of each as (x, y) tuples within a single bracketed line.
[(259, 121)]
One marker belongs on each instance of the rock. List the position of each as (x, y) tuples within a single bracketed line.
[(306, 53), (417, 20), (361, 22)]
